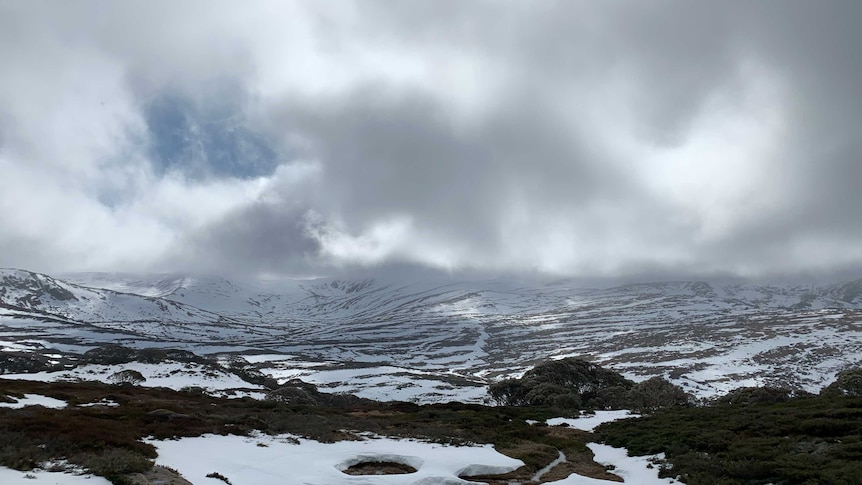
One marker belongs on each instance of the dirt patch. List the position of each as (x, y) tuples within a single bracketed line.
[(566, 432), (579, 459), (582, 464), (379, 468)]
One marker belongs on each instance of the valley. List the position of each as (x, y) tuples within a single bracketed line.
[(435, 341), (372, 373)]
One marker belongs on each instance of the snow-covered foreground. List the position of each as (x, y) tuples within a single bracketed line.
[(263, 459), (270, 460), (273, 460), (42, 477)]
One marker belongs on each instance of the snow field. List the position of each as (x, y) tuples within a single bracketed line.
[(173, 375), (9, 476), (285, 459), (381, 383)]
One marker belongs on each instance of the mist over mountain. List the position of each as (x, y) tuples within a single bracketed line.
[(398, 333)]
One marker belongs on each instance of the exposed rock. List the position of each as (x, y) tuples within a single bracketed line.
[(166, 414)]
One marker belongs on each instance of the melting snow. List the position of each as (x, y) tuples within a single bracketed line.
[(285, 459), (589, 422), (9, 476), (174, 375), (34, 400)]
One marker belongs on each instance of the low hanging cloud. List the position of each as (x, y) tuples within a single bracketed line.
[(612, 139)]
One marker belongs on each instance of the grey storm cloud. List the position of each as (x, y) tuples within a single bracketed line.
[(267, 239), (592, 139), (391, 155)]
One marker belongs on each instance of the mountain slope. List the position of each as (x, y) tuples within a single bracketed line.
[(706, 337), (26, 292)]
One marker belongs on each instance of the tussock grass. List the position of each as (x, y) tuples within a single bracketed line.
[(107, 440), (807, 439), (810, 439)]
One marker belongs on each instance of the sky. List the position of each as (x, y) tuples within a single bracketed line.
[(584, 139)]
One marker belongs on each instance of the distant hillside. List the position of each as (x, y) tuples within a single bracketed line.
[(703, 336)]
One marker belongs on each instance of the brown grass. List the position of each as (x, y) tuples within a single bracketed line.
[(107, 440)]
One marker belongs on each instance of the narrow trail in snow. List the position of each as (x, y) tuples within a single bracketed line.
[(550, 466)]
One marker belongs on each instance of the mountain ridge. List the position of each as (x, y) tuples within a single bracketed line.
[(707, 337)]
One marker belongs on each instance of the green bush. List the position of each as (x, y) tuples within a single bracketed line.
[(750, 440), (109, 355), (577, 384), (127, 376), (567, 383), (655, 393), (848, 383), (745, 396)]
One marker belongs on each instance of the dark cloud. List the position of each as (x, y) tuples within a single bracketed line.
[(594, 139), (389, 154), (264, 238)]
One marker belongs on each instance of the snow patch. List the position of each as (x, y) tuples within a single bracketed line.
[(9, 476), (174, 375), (632, 469), (34, 400), (269, 459), (589, 422)]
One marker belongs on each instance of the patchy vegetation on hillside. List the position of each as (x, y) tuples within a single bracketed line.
[(107, 439), (749, 436), (754, 437), (847, 383)]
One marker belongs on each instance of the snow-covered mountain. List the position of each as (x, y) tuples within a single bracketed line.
[(24, 291), (76, 312), (434, 336)]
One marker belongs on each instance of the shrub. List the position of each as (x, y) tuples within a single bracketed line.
[(218, 476), (567, 383), (246, 371), (15, 362), (152, 355), (748, 439), (581, 375), (19, 452), (508, 392), (745, 396), (109, 355), (848, 383), (293, 395), (114, 461), (614, 397), (554, 395), (297, 392), (127, 376), (655, 393)]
